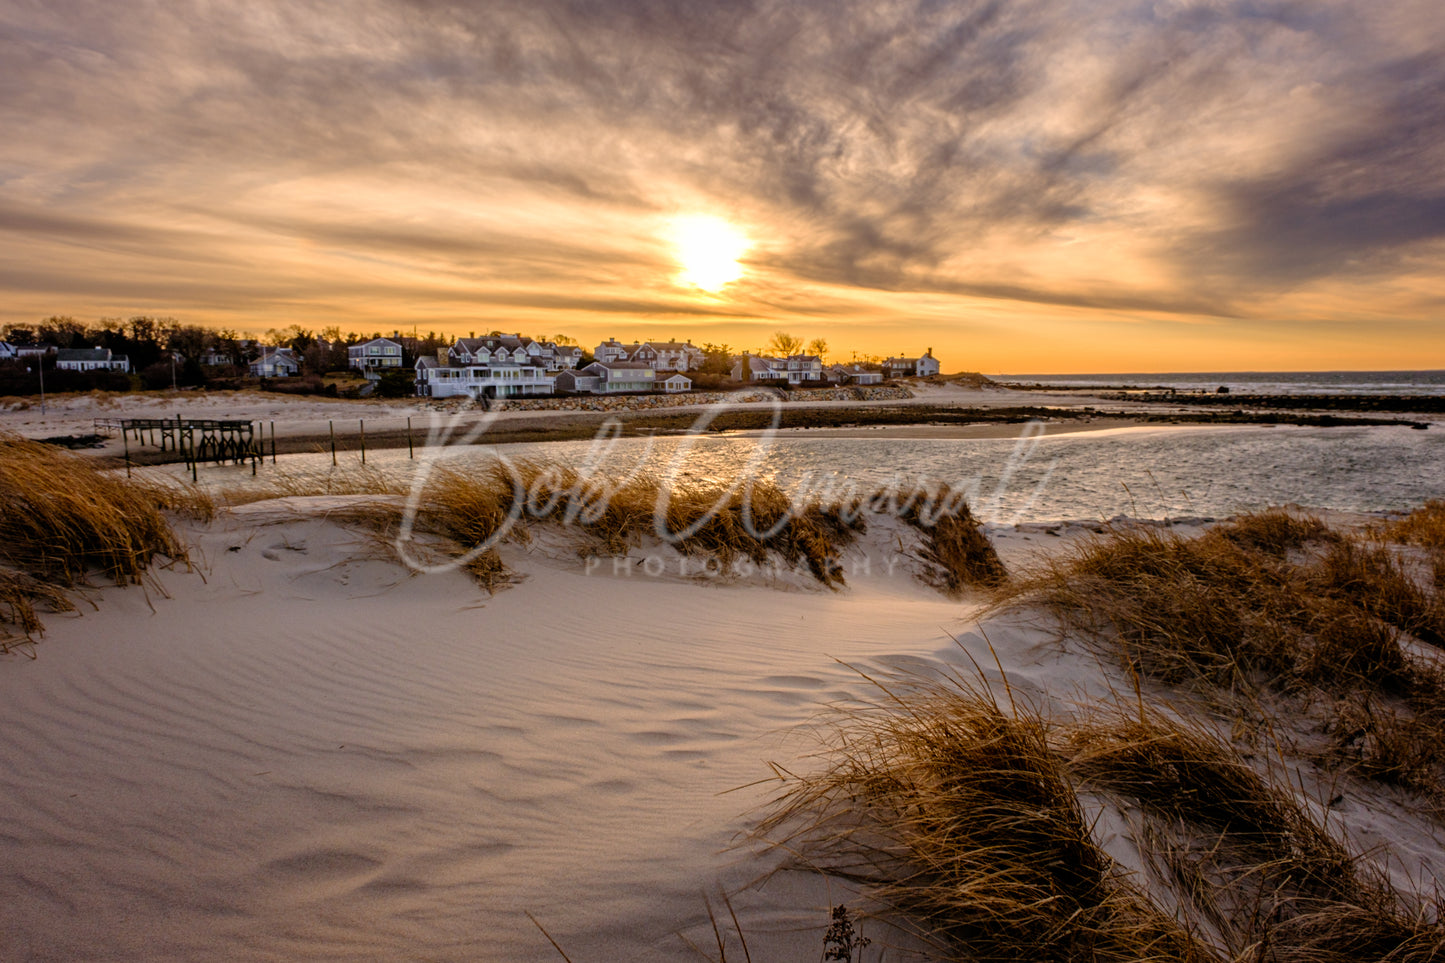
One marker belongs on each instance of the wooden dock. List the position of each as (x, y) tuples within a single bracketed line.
[(195, 440)]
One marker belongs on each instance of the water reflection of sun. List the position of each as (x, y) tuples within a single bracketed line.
[(708, 249)]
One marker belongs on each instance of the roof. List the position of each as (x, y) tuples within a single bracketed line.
[(275, 355), (671, 345), (622, 365), (83, 354)]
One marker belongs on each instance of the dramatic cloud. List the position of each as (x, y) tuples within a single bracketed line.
[(1067, 168)]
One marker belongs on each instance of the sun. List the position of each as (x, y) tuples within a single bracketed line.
[(708, 248)]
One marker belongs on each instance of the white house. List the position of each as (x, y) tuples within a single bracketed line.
[(854, 374), (376, 353), (275, 363), (8, 351), (90, 359), (484, 376), (34, 350), (912, 367), (675, 382)]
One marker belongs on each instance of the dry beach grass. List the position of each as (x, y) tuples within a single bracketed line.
[(64, 520), (973, 825)]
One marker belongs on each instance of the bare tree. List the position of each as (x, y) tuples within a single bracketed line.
[(783, 344), (819, 347)]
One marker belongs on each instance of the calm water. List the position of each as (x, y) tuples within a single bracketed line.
[(1258, 382), (1148, 472)]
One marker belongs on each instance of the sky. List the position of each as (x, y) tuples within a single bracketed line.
[(1021, 185)]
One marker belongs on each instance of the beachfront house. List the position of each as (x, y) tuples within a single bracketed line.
[(675, 382), (471, 367), (853, 374), (275, 363), (376, 353), (615, 377), (912, 367), (8, 351), (35, 350), (90, 359)]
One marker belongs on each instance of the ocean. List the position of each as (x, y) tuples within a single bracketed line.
[(1430, 382)]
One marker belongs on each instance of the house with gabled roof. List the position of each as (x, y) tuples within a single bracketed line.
[(376, 353), (853, 374), (275, 363), (90, 359), (920, 367), (794, 369), (661, 355)]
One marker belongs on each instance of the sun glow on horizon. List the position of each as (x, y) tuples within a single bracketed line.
[(708, 248)]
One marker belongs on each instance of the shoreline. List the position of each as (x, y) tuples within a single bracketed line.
[(840, 421)]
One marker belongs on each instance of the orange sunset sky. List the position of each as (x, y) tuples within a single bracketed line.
[(1047, 186)]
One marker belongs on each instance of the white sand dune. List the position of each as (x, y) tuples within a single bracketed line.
[(303, 750)]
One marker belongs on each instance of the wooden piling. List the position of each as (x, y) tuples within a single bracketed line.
[(273, 442), (125, 440), (410, 452), (332, 425), (362, 422)]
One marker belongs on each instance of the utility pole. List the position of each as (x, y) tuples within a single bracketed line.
[(40, 370)]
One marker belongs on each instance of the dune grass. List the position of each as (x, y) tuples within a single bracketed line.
[(64, 521), (958, 553), (963, 818), (755, 522), (1274, 603), (970, 822)]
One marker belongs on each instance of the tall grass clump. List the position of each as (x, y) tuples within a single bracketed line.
[(1424, 527), (959, 554), (752, 521), (63, 520), (962, 817)]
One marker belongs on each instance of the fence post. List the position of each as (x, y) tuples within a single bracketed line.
[(410, 452), (362, 422), (332, 426)]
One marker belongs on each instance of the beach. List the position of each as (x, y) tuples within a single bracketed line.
[(299, 746)]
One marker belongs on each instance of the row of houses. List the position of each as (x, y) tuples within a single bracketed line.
[(67, 359), (506, 367), (803, 368), (516, 367)]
